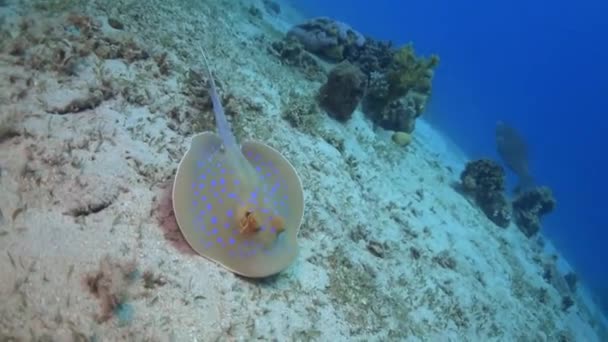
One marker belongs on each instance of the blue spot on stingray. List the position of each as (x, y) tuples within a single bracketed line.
[(201, 185), (213, 182), (226, 225), (209, 206), (219, 239), (258, 168), (204, 198), (232, 195), (222, 181), (213, 219), (202, 212), (222, 170), (209, 244), (254, 194), (236, 181), (202, 176), (262, 228), (214, 231), (232, 241), (229, 213), (223, 190), (216, 194), (194, 203)]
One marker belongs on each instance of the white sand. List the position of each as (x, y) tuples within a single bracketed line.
[(77, 187)]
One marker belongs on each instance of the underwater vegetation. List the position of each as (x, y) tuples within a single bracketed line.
[(116, 283)]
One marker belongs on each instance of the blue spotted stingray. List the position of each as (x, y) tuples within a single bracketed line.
[(240, 206)]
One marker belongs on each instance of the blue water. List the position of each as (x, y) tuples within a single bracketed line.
[(541, 66)]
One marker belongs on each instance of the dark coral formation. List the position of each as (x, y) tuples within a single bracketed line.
[(530, 206), (484, 180), (328, 38), (398, 115), (344, 88), (291, 52), (373, 56)]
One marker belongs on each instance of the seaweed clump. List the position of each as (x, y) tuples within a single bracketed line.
[(111, 285), (530, 206), (484, 180), (344, 88)]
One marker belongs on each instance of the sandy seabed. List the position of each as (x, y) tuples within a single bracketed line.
[(92, 128)]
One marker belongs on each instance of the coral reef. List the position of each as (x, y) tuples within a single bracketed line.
[(530, 206), (484, 180), (398, 82), (409, 72), (398, 92), (291, 52), (398, 115), (344, 88), (327, 38), (373, 56)]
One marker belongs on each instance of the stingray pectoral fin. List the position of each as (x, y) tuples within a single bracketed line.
[(202, 148)]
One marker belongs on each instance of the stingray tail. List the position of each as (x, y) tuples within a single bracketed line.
[(223, 127)]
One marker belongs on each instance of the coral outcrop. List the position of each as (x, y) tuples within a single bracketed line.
[(344, 88), (328, 38), (484, 180), (530, 206), (398, 81), (291, 52)]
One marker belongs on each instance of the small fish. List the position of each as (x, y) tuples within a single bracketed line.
[(240, 206), (513, 150)]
